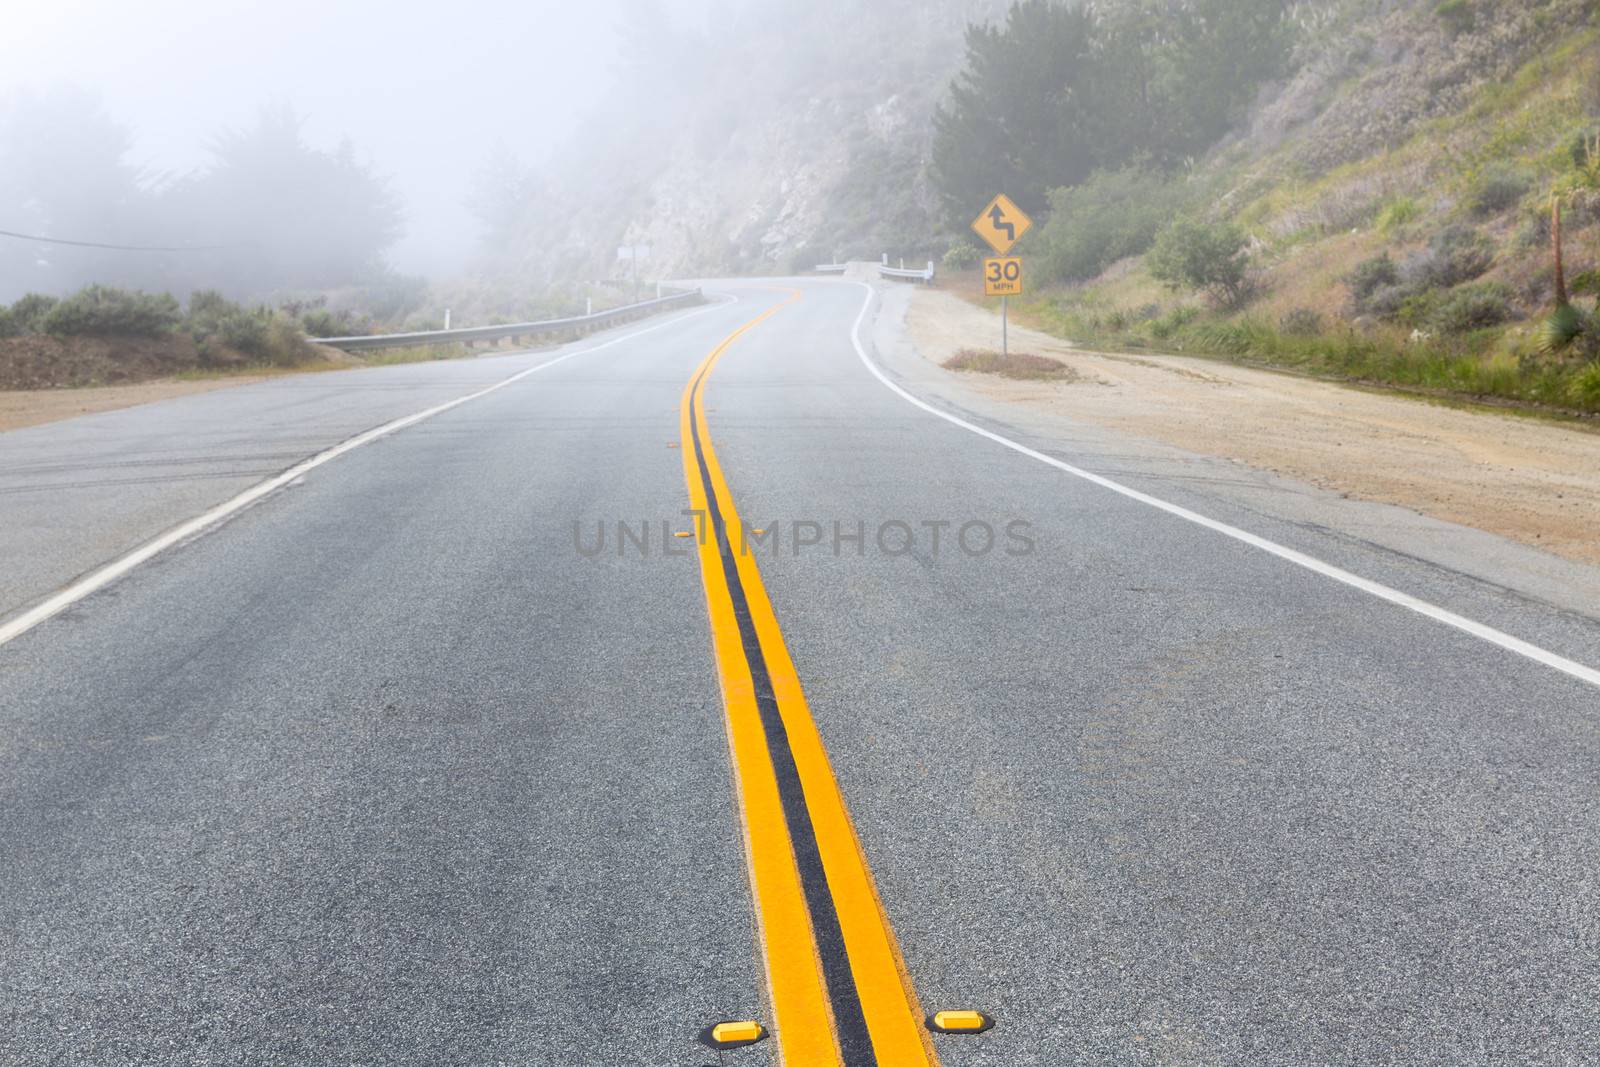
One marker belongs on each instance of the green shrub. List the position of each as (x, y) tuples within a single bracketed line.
[(8, 323), (1585, 151), (1369, 277), (1408, 307), (1457, 16), (1398, 213), (1173, 321), (218, 324), (961, 256), (1583, 388), (1112, 215), (1497, 190), (1585, 282), (1301, 322), (208, 303), (1499, 375), (1208, 257), (1570, 329), (1243, 337), (320, 322), (28, 313), (1471, 307), (101, 311), (1456, 254), (285, 344)]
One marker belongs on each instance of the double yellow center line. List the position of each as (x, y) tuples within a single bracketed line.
[(839, 989)]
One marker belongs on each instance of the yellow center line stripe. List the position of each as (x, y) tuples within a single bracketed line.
[(803, 1017)]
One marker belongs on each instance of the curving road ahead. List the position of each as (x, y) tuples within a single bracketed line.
[(733, 666)]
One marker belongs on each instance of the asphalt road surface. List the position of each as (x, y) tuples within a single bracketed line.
[(451, 749)]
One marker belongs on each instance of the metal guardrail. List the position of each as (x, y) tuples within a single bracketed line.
[(924, 275), (831, 268), (470, 334)]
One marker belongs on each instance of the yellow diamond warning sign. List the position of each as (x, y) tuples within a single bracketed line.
[(1001, 224)]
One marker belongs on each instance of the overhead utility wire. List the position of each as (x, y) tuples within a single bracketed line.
[(114, 248)]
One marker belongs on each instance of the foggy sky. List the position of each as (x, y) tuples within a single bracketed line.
[(423, 90)]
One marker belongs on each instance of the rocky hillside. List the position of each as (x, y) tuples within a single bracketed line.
[(787, 133)]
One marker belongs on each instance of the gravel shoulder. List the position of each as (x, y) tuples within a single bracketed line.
[(1531, 481)]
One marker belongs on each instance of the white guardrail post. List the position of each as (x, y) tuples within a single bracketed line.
[(925, 275)]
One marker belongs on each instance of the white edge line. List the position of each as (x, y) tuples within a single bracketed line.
[(99, 579), (1300, 559)]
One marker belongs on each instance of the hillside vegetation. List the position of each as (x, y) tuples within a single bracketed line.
[(1382, 209)]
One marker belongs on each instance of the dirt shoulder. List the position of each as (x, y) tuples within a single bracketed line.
[(1532, 481), (34, 407), (43, 379)]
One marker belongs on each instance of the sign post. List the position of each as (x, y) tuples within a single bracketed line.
[(1001, 225)]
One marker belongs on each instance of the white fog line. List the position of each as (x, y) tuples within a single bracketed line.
[(99, 579), (1300, 559)]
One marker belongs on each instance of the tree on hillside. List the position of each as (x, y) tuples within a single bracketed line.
[(290, 216), (502, 189), (64, 176), (1015, 122), (1213, 57), (1058, 92)]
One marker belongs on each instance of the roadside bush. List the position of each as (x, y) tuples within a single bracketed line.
[(1173, 321), (1570, 330), (1208, 257), (319, 323), (1456, 254), (102, 311), (1301, 322), (217, 323), (27, 314), (8, 323), (1112, 215), (1471, 307), (1391, 301), (961, 256), (260, 333), (1583, 389), (285, 345), (1409, 308), (1369, 277), (1497, 190)]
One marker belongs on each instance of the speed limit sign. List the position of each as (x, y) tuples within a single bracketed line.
[(1002, 276)]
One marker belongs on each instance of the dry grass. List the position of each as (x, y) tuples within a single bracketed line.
[(1020, 365)]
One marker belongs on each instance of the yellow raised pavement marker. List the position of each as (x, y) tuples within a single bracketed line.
[(960, 1022), (745, 1030)]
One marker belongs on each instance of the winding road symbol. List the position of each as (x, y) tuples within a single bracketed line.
[(1001, 224), (998, 218)]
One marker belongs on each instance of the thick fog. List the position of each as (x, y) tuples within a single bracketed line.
[(206, 125)]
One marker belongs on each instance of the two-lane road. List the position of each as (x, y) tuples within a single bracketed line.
[(452, 750)]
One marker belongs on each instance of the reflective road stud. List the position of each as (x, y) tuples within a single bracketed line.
[(959, 1022), (734, 1034)]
